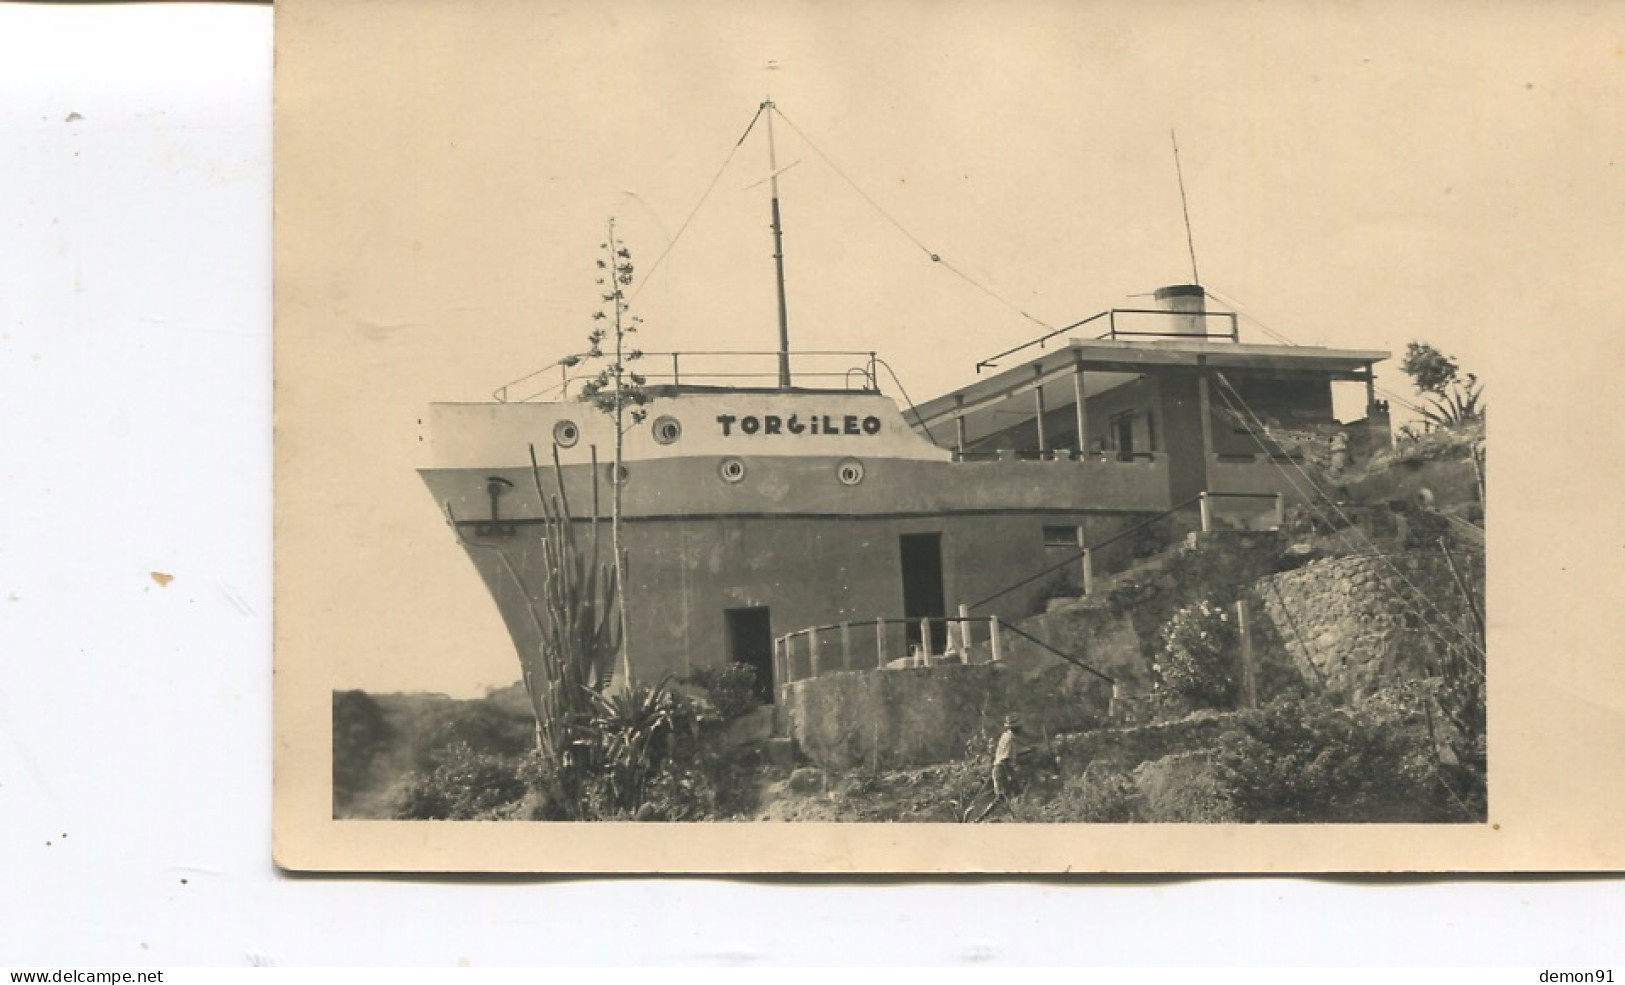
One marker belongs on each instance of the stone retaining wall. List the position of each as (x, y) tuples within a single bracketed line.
[(1352, 624)]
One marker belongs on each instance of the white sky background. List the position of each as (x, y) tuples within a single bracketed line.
[(1359, 176)]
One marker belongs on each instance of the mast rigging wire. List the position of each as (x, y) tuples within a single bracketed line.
[(934, 256), (698, 205), (1185, 208)]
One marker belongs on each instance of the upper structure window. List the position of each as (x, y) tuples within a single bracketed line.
[(1060, 536)]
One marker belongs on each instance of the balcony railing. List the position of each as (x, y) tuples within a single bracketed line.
[(1114, 332)]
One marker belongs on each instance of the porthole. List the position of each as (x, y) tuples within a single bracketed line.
[(616, 474), (566, 434), (731, 470), (667, 430), (850, 472)]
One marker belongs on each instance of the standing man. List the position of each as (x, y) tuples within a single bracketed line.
[(1014, 744)]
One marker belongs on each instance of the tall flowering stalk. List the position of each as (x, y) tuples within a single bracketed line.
[(618, 392)]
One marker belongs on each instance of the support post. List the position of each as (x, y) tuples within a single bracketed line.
[(1082, 411), (1207, 511), (1088, 571), (964, 632), (1038, 397), (880, 644), (925, 641), (1249, 672), (993, 644), (812, 650), (1280, 511), (1204, 410), (959, 426), (676, 377), (846, 645)]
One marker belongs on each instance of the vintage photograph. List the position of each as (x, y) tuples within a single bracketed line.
[(753, 418)]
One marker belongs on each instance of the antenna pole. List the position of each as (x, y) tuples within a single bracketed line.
[(1185, 208), (778, 249)]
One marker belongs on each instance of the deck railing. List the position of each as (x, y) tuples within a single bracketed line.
[(854, 369), (1113, 332)]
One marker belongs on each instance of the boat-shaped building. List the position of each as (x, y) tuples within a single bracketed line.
[(757, 506)]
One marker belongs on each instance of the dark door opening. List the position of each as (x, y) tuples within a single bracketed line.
[(1123, 426), (750, 641), (922, 587)]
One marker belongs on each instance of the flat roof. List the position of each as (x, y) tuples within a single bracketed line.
[(1101, 357)]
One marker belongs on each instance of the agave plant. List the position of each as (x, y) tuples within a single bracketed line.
[(1453, 398), (633, 728)]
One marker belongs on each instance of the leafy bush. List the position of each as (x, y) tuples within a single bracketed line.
[(734, 690), (1197, 656), (1309, 761), (465, 785)]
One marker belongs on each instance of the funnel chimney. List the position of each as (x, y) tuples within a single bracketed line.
[(1186, 305)]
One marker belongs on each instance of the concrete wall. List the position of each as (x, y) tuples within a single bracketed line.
[(892, 718), (805, 485), (1262, 475), (683, 574), (1182, 429)]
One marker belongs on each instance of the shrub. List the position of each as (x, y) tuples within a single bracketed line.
[(1308, 761), (465, 785), (734, 690), (1197, 656), (1183, 788)]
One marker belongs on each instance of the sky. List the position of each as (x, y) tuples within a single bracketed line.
[(1359, 175)]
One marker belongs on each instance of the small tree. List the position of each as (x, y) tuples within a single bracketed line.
[(1453, 399), (618, 392)]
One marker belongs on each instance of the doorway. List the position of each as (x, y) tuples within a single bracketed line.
[(750, 642), (1123, 433), (922, 587)]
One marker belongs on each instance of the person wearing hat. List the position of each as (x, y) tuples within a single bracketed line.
[(1013, 744)]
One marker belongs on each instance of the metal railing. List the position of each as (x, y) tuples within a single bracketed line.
[(875, 644), (700, 367), (866, 645), (1113, 332)]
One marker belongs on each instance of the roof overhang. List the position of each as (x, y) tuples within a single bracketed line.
[(1097, 357)]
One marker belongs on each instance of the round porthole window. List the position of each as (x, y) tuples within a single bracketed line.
[(616, 474), (566, 434), (667, 430), (731, 470), (850, 472)]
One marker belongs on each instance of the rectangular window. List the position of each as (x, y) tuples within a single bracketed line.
[(1060, 536)]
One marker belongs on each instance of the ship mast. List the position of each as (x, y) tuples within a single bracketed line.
[(778, 249)]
